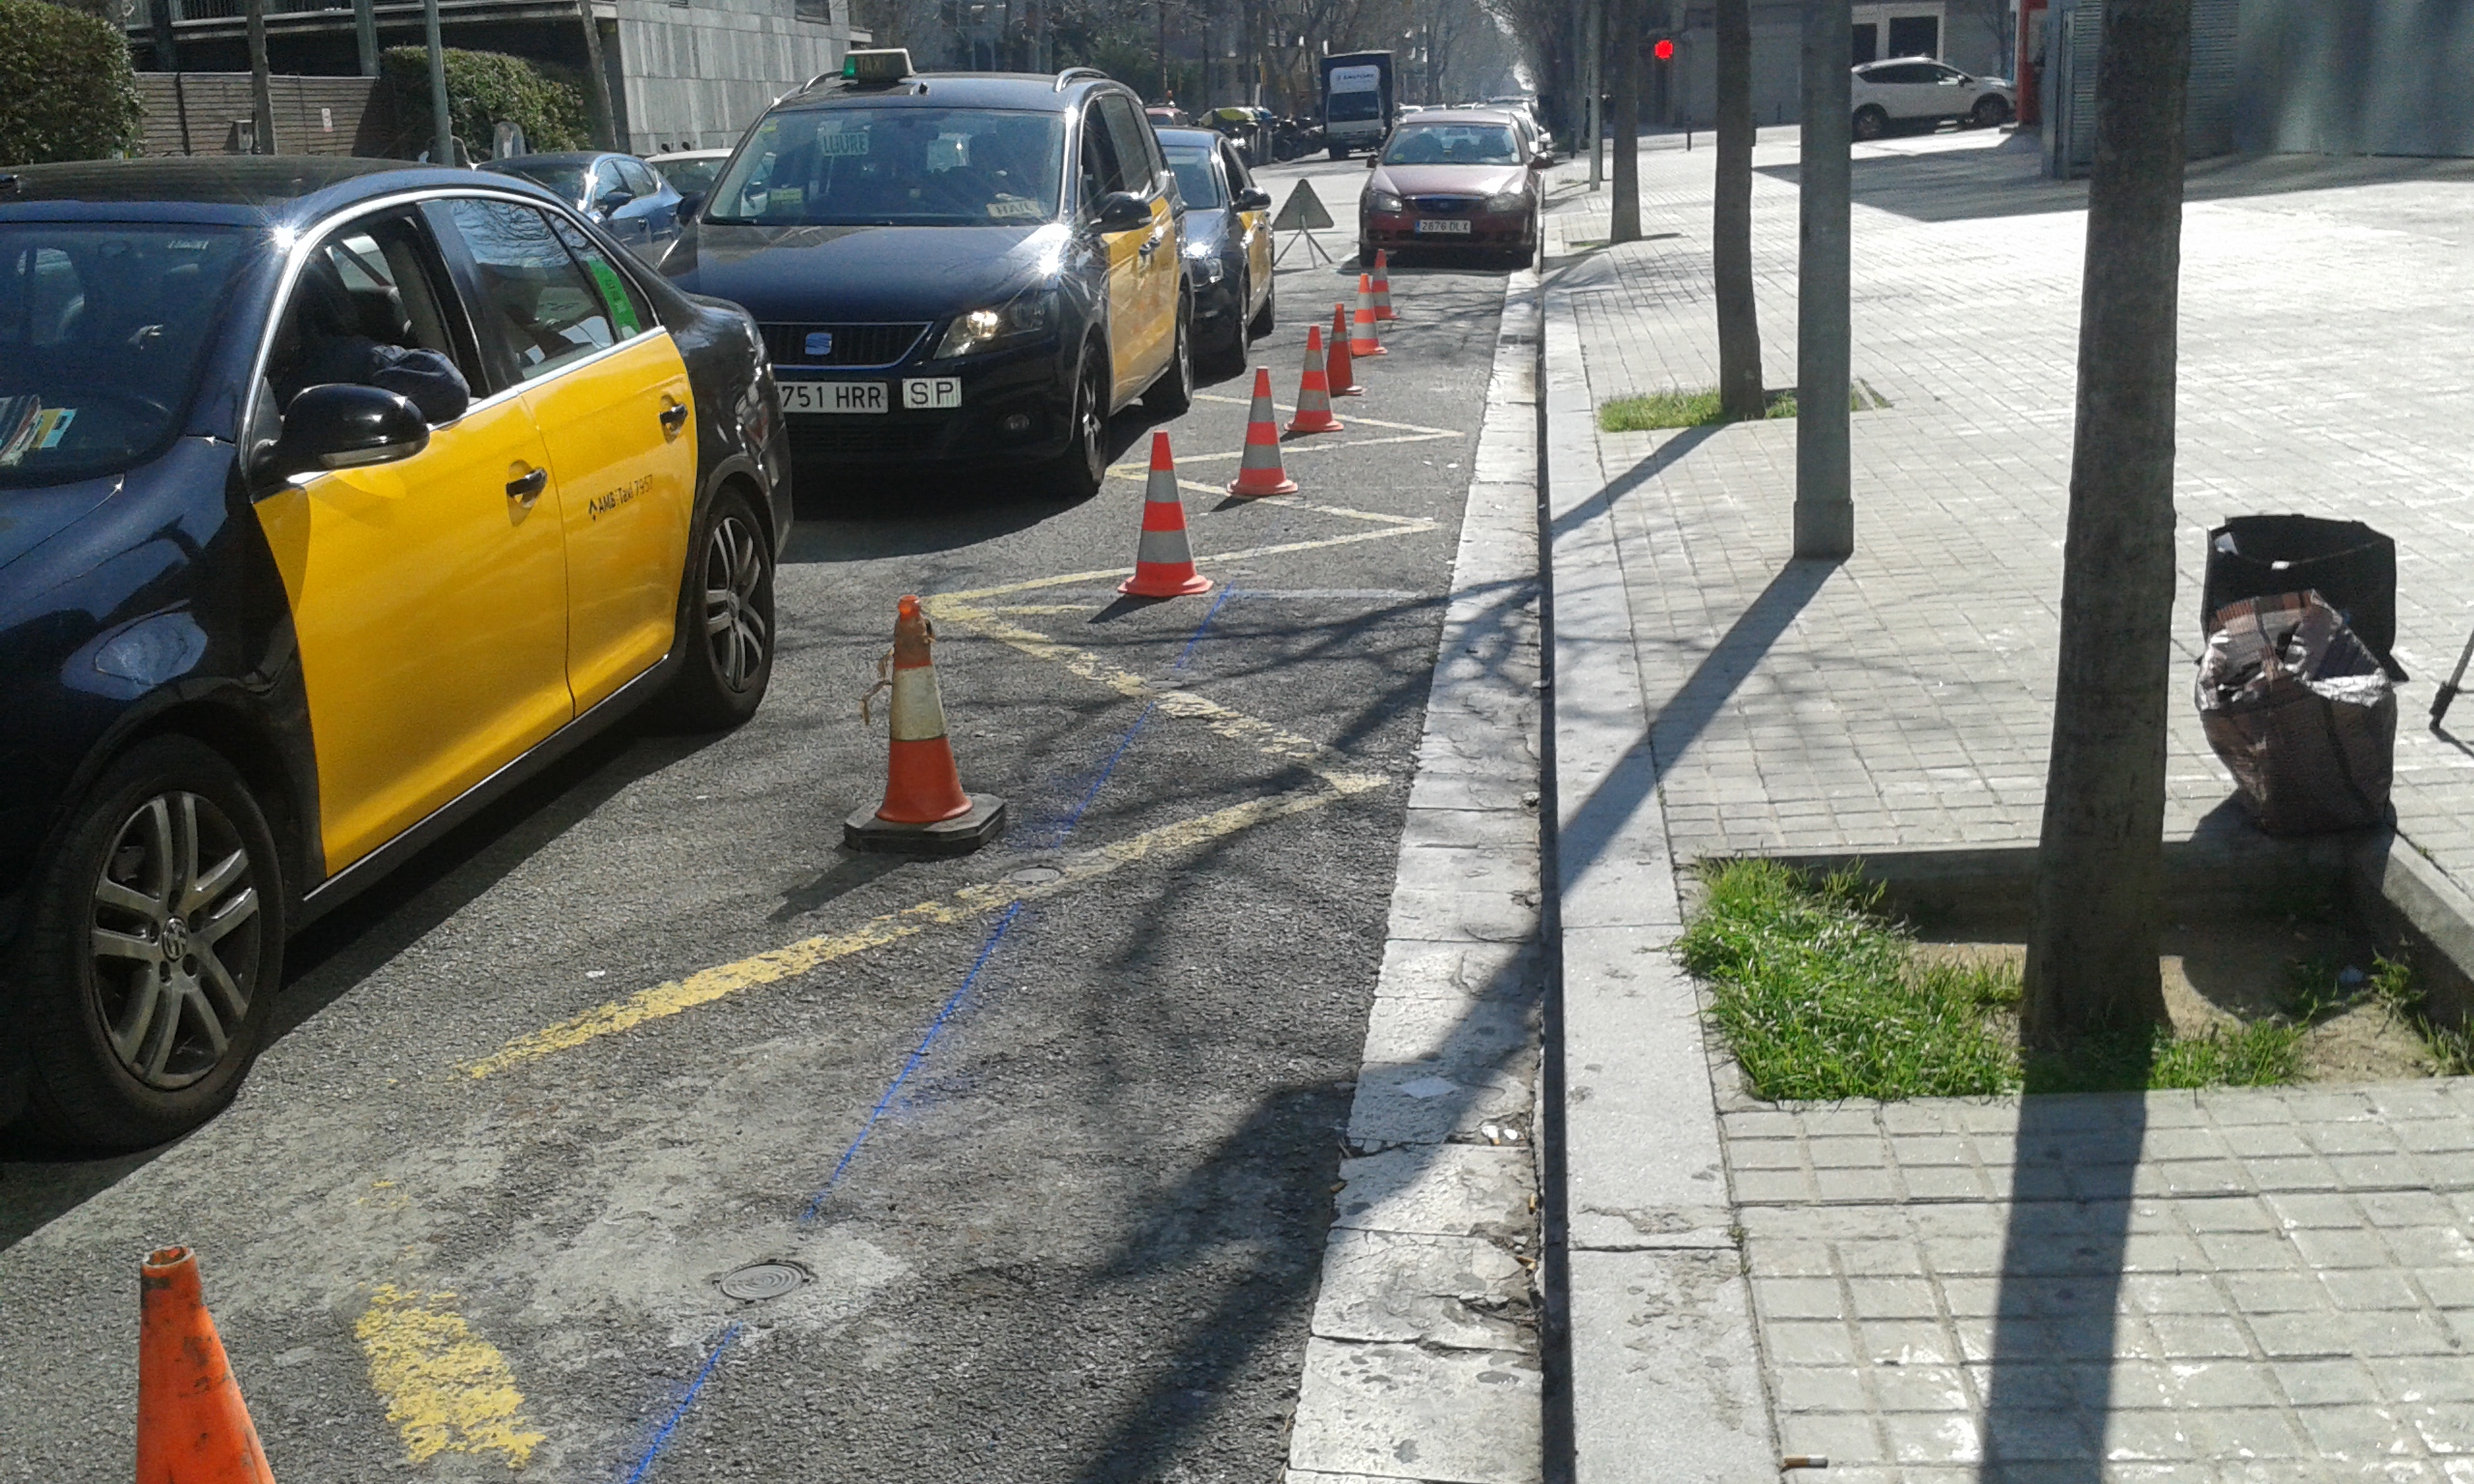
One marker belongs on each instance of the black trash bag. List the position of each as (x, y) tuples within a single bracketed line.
[(2298, 708), (2348, 563)]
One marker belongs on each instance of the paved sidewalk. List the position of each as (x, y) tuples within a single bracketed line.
[(2257, 1285)]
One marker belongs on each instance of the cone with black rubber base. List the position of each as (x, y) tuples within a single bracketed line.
[(924, 811)]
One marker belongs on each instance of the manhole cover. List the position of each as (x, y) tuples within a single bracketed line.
[(1034, 875), (760, 1281)]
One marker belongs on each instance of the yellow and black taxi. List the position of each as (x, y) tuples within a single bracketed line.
[(335, 500), (954, 266), (1229, 242)]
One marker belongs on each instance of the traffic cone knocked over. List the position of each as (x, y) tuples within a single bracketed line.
[(192, 1427), (1163, 564), (1364, 341), (1335, 365), (1383, 284), (1314, 390), (1260, 472), (925, 811)]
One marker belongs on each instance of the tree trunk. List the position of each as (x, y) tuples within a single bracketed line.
[(1623, 56), (1740, 389), (605, 122), (260, 87), (2092, 944)]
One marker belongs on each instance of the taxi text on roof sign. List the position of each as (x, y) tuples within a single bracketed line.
[(890, 64)]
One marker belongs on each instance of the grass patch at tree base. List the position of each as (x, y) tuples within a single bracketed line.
[(1819, 995), (1653, 410)]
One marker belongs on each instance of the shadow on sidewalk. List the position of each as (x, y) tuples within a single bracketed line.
[(2048, 1387)]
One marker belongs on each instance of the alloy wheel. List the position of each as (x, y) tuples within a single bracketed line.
[(175, 939), (734, 622)]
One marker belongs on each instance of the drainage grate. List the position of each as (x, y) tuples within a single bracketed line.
[(1035, 875), (759, 1281)]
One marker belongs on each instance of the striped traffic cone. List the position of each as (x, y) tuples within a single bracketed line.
[(925, 811), (1163, 564), (1383, 284), (1260, 472), (1364, 341), (1314, 390), (192, 1423), (1336, 363)]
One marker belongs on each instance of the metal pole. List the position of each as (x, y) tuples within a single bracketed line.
[(1164, 50), (365, 25), (261, 86), (1824, 506), (442, 149)]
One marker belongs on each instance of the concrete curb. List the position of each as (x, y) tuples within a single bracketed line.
[(1423, 1361), (1665, 1377)]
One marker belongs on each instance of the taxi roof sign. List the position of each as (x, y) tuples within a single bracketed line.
[(887, 64)]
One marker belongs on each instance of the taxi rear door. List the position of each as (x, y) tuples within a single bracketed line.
[(1156, 260), (1101, 177), (1255, 225)]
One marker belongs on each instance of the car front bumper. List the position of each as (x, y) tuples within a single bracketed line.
[(1017, 407), (1486, 229)]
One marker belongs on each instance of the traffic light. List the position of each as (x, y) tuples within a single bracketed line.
[(1663, 48)]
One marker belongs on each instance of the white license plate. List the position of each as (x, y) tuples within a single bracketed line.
[(833, 396), (932, 391), (1432, 225)]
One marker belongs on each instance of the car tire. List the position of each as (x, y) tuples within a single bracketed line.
[(725, 617), (1229, 350), (1991, 111), (1174, 391), (1871, 122), (169, 854), (1075, 473), (1266, 318)]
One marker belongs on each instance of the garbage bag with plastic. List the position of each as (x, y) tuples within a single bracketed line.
[(2301, 711)]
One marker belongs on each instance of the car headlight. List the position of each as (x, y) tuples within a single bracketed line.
[(1385, 201), (1029, 313), (1203, 260), (1504, 201)]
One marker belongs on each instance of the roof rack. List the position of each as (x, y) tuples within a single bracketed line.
[(1072, 73)]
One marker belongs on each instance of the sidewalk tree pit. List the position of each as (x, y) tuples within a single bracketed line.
[(1819, 992), (1652, 410)]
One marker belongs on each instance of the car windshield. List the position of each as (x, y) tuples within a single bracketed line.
[(690, 176), (1453, 144), (566, 180), (102, 328), (1195, 181), (896, 166)]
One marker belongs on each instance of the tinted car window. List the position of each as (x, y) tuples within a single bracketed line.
[(1196, 182), (365, 286), (637, 178), (566, 180), (1453, 144), (689, 176), (1138, 148), (629, 312), (102, 330), (1100, 173), (913, 166), (1239, 177), (537, 311)]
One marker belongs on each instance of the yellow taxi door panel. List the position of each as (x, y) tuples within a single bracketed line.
[(1258, 253), (1160, 267), (1126, 341), (626, 477), (431, 609)]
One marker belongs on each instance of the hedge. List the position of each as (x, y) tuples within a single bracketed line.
[(484, 90), (66, 91)]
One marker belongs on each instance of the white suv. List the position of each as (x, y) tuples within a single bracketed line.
[(1920, 90)]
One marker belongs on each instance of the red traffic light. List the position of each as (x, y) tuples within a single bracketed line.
[(1664, 50)]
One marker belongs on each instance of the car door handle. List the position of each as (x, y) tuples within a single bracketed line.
[(674, 416), (528, 489)]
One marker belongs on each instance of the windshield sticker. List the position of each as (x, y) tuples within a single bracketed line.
[(60, 417), (853, 142), (1014, 206), (25, 425), (623, 309)]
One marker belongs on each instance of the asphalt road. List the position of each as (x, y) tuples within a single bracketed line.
[(1047, 1134)]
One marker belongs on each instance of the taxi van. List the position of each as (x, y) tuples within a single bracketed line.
[(336, 497), (955, 267)]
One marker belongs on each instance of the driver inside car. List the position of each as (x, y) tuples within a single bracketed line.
[(323, 341)]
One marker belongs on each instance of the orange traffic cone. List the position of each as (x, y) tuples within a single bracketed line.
[(1364, 341), (925, 811), (192, 1427), (1383, 284), (1163, 564), (1314, 390), (1335, 366), (1260, 472)]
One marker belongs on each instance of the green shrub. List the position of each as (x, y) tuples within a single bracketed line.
[(66, 91), (484, 90)]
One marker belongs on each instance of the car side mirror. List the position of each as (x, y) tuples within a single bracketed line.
[(1122, 211), (1540, 161), (689, 204), (1370, 161), (1254, 198), (346, 425)]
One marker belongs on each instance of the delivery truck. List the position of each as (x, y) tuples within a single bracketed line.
[(1357, 101)]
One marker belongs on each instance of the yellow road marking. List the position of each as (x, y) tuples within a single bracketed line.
[(971, 902), (447, 1388)]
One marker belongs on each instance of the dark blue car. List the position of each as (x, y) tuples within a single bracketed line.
[(629, 198), (335, 500)]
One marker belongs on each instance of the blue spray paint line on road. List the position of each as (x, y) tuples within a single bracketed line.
[(1205, 627), (935, 1027), (1073, 816), (661, 1438)]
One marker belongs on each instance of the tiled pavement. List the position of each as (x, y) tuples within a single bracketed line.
[(2254, 1286)]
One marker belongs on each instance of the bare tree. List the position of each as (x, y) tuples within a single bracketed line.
[(2092, 944), (1740, 389), (1622, 34)]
